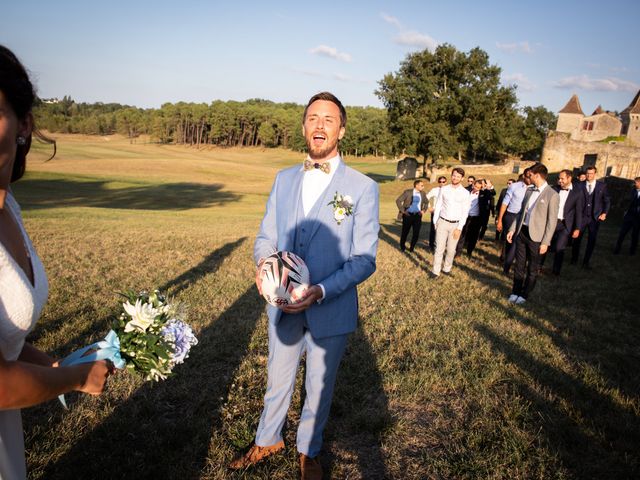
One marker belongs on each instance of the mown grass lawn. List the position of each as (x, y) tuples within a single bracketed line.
[(444, 379)]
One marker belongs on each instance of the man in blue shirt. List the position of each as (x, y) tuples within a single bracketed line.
[(412, 203), (509, 210)]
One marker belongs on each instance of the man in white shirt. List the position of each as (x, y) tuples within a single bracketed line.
[(432, 196), (450, 215), (533, 230)]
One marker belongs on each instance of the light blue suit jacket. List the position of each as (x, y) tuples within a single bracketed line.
[(338, 256)]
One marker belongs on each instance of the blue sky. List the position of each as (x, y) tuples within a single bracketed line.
[(145, 53)]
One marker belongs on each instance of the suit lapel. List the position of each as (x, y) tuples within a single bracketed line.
[(322, 211)]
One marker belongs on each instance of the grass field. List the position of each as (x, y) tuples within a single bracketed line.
[(444, 379)]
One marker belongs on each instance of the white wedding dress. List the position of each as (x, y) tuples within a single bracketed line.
[(20, 307)]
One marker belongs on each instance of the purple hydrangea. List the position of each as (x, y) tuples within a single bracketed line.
[(180, 335)]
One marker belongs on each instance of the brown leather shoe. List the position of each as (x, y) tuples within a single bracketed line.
[(310, 468), (255, 454)]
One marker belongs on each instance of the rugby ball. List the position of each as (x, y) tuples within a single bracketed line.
[(284, 278)]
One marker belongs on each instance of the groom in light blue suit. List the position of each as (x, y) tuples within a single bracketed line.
[(339, 249)]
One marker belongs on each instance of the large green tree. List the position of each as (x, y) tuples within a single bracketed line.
[(446, 103)]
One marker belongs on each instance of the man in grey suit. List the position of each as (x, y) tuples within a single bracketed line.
[(533, 231), (412, 205), (339, 247)]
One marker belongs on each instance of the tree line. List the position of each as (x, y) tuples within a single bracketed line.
[(255, 123), (439, 104)]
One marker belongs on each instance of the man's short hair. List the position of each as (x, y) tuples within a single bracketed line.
[(416, 182), (540, 169), (568, 173), (636, 179), (512, 180), (329, 97), (592, 167), (459, 170), (442, 177), (471, 177)]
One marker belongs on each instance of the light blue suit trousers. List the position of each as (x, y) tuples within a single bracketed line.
[(339, 256)]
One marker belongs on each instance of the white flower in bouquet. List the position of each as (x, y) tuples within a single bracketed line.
[(142, 316)]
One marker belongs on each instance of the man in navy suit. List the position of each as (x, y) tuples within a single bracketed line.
[(596, 208), (631, 220), (339, 247), (569, 218)]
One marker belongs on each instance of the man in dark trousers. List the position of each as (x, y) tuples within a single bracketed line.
[(501, 234), (596, 208), (412, 204), (533, 230), (487, 205), (569, 218), (631, 220)]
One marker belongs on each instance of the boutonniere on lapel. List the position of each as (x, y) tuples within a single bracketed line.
[(342, 206)]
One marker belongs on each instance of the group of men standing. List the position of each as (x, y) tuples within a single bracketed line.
[(533, 219)]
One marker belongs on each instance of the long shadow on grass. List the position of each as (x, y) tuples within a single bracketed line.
[(163, 430), (51, 410), (208, 266), (598, 439), (57, 193), (360, 411), (417, 258)]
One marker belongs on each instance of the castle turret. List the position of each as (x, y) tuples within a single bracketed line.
[(570, 117), (631, 120)]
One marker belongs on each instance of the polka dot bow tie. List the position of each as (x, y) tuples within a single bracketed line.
[(309, 165)]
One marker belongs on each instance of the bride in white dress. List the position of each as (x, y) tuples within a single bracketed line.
[(28, 376)]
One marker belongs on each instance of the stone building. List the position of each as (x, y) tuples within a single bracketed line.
[(631, 120), (580, 140)]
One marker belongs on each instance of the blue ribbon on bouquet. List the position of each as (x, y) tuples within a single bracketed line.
[(107, 349)]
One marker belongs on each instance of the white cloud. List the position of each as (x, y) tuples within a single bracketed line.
[(330, 52), (409, 37), (416, 39), (391, 20), (521, 81), (519, 47), (610, 84)]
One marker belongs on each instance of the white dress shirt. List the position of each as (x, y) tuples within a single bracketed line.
[(452, 204), (315, 182), (564, 194)]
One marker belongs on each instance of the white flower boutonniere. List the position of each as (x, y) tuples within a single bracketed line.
[(342, 206)]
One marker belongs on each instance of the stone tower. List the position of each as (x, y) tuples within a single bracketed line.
[(631, 120), (570, 117)]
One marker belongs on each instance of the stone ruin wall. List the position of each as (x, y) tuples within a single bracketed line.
[(561, 152)]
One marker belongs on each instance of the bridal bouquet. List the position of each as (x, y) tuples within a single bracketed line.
[(149, 337), (153, 335)]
